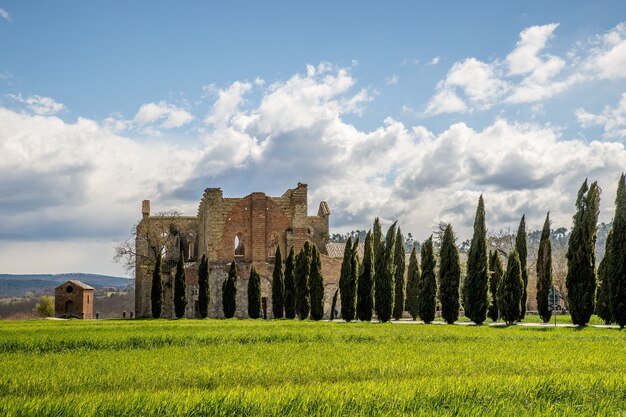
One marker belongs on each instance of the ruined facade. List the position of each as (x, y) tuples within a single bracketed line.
[(247, 230), (73, 299)]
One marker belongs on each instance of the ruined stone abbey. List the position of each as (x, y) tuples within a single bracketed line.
[(247, 230)]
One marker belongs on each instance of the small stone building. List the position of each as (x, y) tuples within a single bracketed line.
[(73, 299), (244, 229)]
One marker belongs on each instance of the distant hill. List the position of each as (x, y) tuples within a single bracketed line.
[(17, 285)]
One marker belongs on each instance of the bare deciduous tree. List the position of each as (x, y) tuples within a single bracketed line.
[(158, 233)]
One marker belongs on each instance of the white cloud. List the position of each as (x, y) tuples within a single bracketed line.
[(40, 105), (228, 102), (478, 82), (434, 61), (5, 15), (445, 101), (528, 74), (539, 70), (393, 80), (525, 57), (168, 115), (612, 119), (608, 59)]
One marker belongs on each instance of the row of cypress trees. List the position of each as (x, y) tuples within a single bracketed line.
[(377, 283), (180, 288)]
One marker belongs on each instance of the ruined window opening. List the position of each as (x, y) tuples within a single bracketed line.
[(87, 299), (272, 244), (69, 289), (191, 251), (239, 248)]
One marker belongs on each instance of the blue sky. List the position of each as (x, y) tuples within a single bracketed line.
[(406, 110)]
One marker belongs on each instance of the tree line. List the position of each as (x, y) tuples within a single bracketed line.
[(377, 283)]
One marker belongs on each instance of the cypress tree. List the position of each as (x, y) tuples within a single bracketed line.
[(428, 286), (347, 283), (398, 304), (355, 270), (603, 296), (476, 283), (510, 290), (616, 263), (290, 285), (522, 251), (544, 272), (496, 271), (302, 274), (180, 288), (203, 287), (364, 303), (333, 305), (157, 289), (414, 277), (316, 285), (385, 273), (254, 294), (278, 286), (449, 276), (378, 244), (229, 292), (581, 275)]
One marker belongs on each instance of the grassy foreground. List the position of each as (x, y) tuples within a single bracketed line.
[(245, 367)]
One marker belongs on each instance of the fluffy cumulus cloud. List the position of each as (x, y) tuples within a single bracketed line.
[(608, 57), (476, 80), (529, 73), (79, 181), (612, 119)]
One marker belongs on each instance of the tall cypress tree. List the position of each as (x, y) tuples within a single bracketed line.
[(496, 271), (290, 285), (365, 302), (414, 277), (347, 284), (449, 277), (180, 288), (522, 251), (302, 274), (355, 270), (510, 290), (603, 293), (203, 287), (316, 285), (157, 289), (428, 286), (378, 244), (544, 272), (476, 282), (333, 305), (254, 294), (229, 292), (278, 286), (616, 263), (398, 304), (385, 273), (581, 275)]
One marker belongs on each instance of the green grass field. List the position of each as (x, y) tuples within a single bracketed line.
[(245, 367)]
